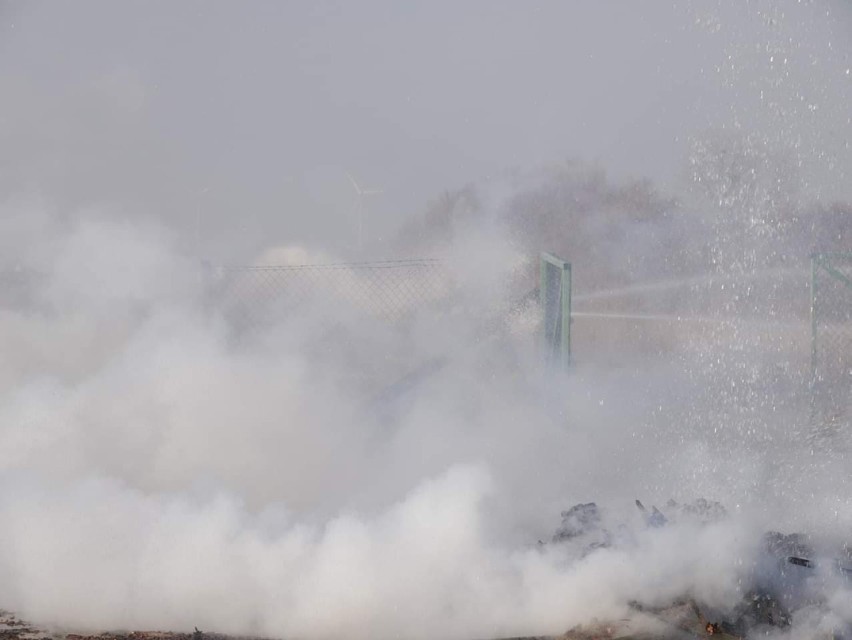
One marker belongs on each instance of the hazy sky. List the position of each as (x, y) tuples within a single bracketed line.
[(252, 112)]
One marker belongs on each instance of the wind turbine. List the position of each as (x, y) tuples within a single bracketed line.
[(199, 194), (361, 194), (202, 263)]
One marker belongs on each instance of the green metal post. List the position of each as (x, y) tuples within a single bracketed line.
[(565, 338), (556, 337), (814, 259), (542, 301)]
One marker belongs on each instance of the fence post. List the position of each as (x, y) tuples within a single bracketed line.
[(555, 301), (814, 258)]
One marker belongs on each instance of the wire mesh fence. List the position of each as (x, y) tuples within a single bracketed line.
[(831, 336), (253, 296)]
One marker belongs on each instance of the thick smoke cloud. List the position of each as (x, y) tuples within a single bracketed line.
[(160, 470)]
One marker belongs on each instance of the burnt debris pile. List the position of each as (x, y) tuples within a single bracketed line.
[(789, 581)]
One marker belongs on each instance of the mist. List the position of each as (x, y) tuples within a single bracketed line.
[(221, 409)]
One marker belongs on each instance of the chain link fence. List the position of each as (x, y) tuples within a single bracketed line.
[(253, 296), (831, 337)]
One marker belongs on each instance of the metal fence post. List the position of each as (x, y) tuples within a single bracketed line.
[(555, 301), (814, 259), (566, 314)]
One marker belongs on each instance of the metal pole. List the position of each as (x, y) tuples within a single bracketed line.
[(542, 302), (566, 314), (360, 224), (814, 266), (556, 313)]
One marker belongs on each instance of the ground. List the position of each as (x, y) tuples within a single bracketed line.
[(682, 621), (13, 628)]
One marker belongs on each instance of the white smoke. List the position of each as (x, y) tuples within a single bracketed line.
[(160, 472)]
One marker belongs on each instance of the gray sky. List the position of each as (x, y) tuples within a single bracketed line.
[(252, 112)]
